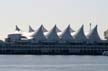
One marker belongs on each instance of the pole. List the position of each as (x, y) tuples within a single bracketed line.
[(90, 26)]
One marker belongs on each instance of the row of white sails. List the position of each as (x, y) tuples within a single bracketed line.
[(68, 35)]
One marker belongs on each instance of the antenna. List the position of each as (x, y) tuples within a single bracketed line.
[(90, 25)]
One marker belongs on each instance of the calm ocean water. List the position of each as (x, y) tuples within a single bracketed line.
[(53, 63)]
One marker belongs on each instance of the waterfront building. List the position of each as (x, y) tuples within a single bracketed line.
[(53, 44)]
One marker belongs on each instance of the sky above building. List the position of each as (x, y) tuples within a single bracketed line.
[(50, 12)]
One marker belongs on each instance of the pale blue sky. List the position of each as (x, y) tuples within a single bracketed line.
[(50, 12)]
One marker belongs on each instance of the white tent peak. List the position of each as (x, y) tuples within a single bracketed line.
[(38, 36), (80, 35), (17, 28), (66, 35), (93, 36), (31, 29), (52, 35), (56, 28), (70, 29), (43, 28)]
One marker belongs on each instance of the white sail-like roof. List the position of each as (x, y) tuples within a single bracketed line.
[(31, 29), (38, 36), (70, 29), (80, 36), (52, 35), (57, 29), (44, 29), (66, 35), (17, 28), (93, 36)]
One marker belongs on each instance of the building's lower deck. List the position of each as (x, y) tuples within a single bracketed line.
[(52, 49)]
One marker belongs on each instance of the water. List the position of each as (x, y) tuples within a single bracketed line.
[(53, 63)]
